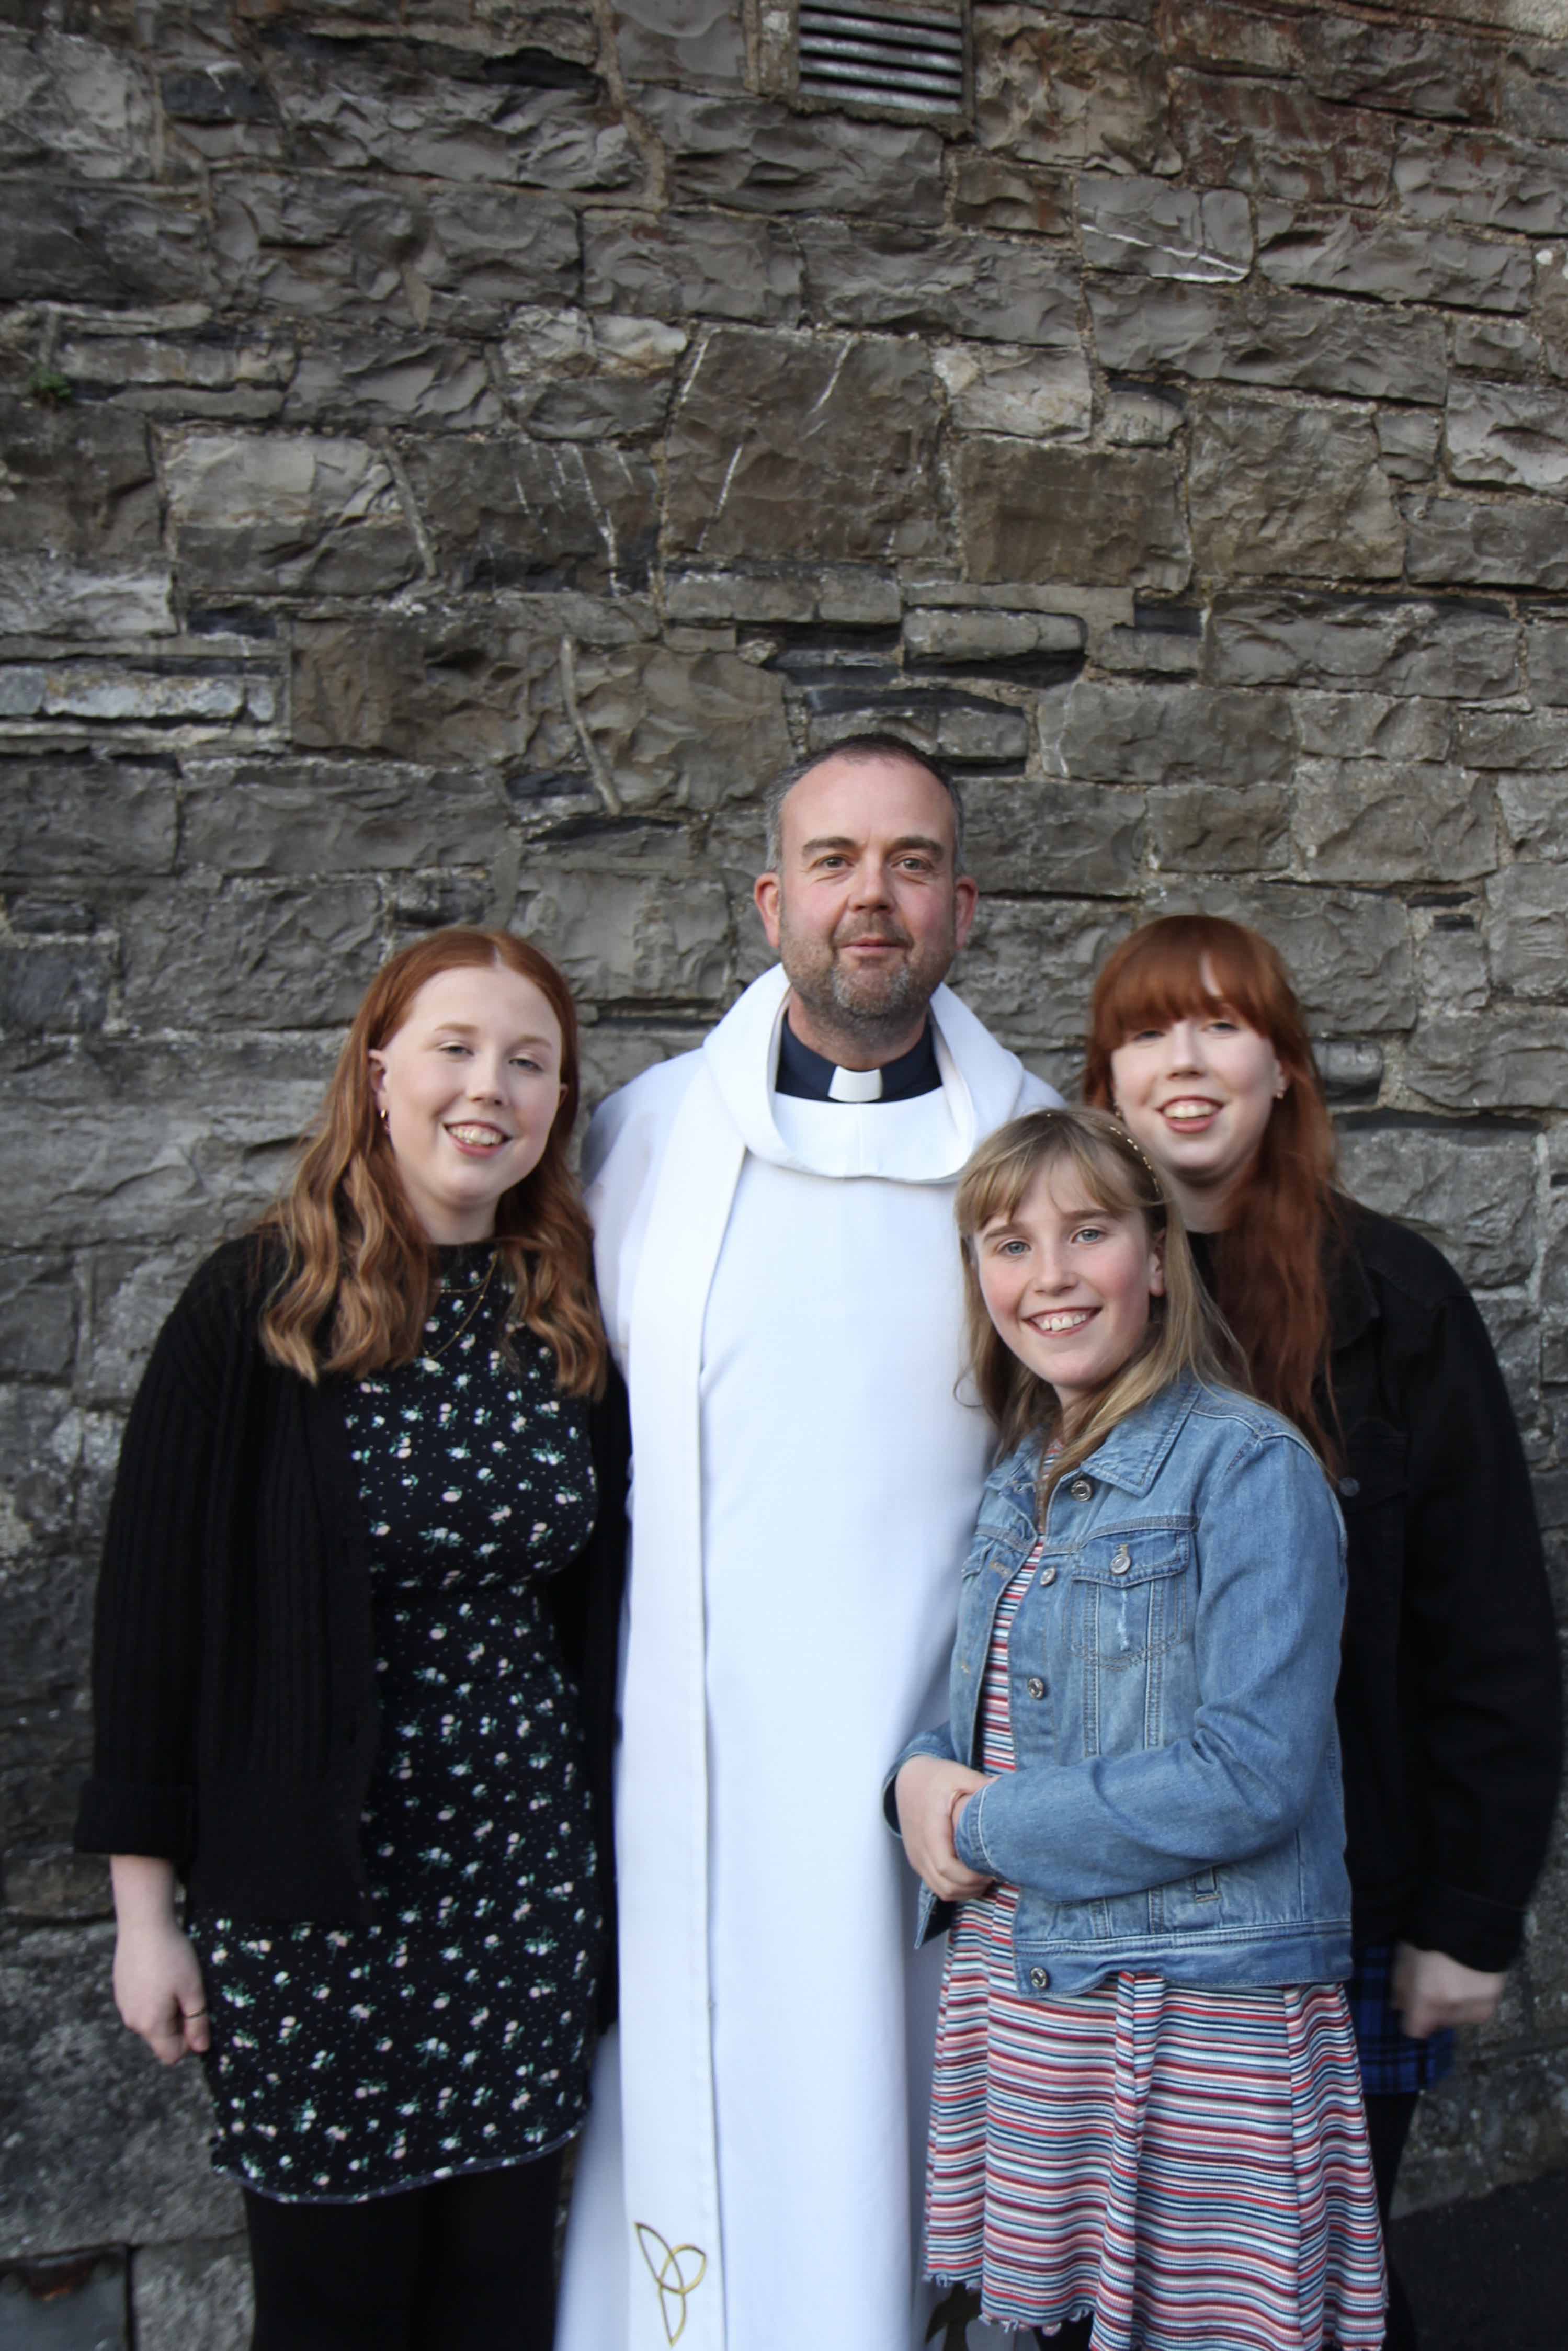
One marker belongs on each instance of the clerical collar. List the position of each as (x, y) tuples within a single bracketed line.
[(816, 1078)]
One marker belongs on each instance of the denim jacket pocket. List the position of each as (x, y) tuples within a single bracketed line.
[(1130, 1594)]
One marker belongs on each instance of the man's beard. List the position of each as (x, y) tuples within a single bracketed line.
[(872, 1008)]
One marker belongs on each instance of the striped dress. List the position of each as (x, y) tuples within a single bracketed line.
[(1191, 2165)]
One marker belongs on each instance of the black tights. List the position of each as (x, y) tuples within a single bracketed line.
[(1388, 2121), (464, 2264)]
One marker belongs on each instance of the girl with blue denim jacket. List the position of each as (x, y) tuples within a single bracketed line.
[(1146, 2119)]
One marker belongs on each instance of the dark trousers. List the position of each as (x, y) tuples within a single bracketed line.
[(1388, 2121), (464, 2264)]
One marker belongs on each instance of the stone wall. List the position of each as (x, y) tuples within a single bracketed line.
[(451, 449)]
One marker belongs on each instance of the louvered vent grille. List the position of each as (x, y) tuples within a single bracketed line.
[(898, 62)]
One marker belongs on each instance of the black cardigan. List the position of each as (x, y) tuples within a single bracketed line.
[(1449, 1698), (233, 1656)]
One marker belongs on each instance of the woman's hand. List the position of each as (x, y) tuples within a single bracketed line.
[(1431, 1991), (157, 1980), (929, 1793)]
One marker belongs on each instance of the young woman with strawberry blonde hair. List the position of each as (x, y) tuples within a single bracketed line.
[(353, 1674), (1360, 1332)]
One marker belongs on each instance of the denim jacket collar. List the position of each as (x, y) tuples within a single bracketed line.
[(1134, 1453)]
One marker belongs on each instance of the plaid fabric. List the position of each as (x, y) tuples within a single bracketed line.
[(1391, 2063)]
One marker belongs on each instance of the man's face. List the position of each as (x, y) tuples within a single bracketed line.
[(865, 910)]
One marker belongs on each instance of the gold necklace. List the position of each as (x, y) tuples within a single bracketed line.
[(433, 1355)]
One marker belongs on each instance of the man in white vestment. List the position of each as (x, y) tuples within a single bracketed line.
[(781, 1281)]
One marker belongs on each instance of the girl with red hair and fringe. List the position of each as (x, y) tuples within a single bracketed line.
[(1358, 1330), (353, 1674)]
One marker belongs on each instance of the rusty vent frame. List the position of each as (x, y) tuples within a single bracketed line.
[(909, 60)]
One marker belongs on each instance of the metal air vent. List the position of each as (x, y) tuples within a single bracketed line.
[(906, 60)]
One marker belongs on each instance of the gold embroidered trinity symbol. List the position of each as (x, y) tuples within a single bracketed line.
[(666, 2266)]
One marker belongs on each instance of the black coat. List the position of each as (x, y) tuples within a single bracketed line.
[(1450, 1700), (234, 1711)]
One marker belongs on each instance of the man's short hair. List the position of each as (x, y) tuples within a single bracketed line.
[(856, 747)]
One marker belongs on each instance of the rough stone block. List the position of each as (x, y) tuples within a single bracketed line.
[(1274, 490), (755, 156), (1531, 740), (681, 40), (1073, 515), (301, 513), (1408, 441), (1007, 388), (1350, 59), (680, 729), (392, 378), (575, 375), (931, 634), (132, 1292), (817, 447), (1155, 230), (1392, 645), (79, 482), (56, 987), (298, 958), (1451, 958), (50, 1882), (77, 2304), (690, 263), (1372, 726), (966, 284), (1219, 829), (444, 114), (111, 2146), (40, 1455), (1053, 91), (411, 685), (1374, 820), (1134, 417), (305, 817), (1441, 175), (990, 194), (1083, 843), (1516, 1060), (1348, 952), (845, 594), (512, 514), (1510, 434), (963, 728), (1279, 140), (110, 1140), (457, 258), (71, 814), (1535, 812), (632, 936), (48, 595), (1390, 260), (1030, 963), (196, 693), (1298, 342), (1526, 904), (1534, 97), (1492, 346), (176, 360), (38, 1318), (1137, 733), (1495, 545), (100, 244), (198, 2293), (1470, 1189), (1546, 654), (75, 107)]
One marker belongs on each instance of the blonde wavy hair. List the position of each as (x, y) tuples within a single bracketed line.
[(1185, 1332), (358, 1273)]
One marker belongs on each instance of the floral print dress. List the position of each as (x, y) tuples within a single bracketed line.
[(453, 2033)]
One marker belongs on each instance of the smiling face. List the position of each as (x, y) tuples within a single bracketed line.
[(468, 1088), (865, 909), (1197, 1094), (1068, 1283)]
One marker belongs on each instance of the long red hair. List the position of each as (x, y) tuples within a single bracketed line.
[(358, 1272), (1270, 1261)]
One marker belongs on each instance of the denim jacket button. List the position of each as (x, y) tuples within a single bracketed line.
[(1041, 1978), (1080, 1488), (1123, 1561), (1047, 1575), (1350, 1487), (1035, 1686)]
